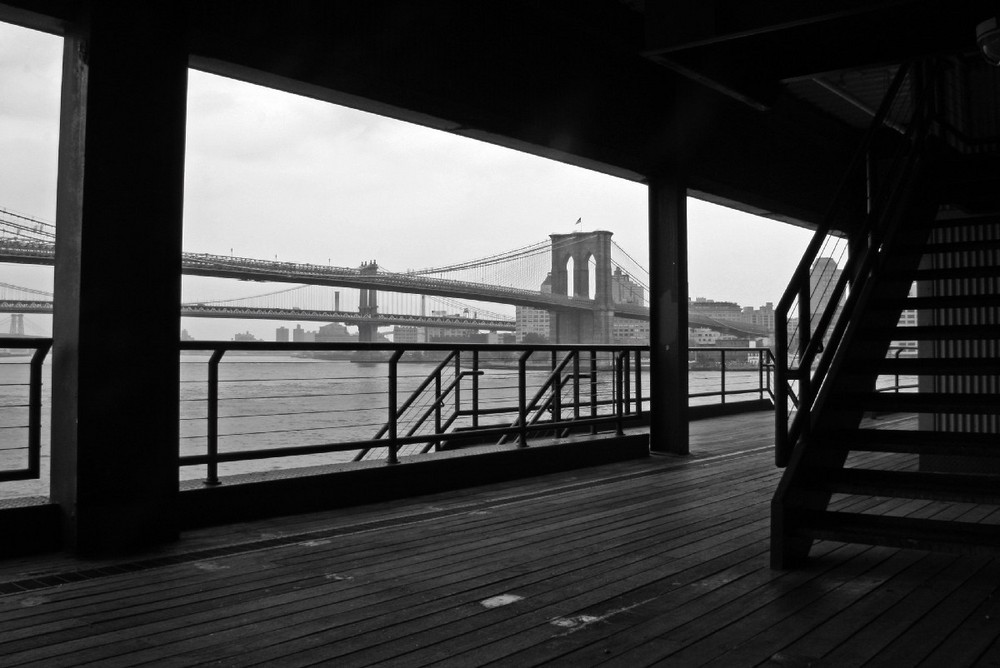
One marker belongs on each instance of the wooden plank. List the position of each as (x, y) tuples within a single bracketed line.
[(133, 619), (659, 560)]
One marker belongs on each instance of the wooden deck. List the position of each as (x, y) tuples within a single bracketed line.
[(662, 560)]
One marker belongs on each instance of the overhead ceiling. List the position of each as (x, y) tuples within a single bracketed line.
[(761, 100)]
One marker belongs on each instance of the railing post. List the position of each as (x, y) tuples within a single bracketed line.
[(475, 389), (782, 378), (593, 390), (393, 457), (437, 410), (619, 367), (896, 376), (638, 382), (458, 380), (35, 409), (576, 384), (760, 373), (212, 466), (556, 394), (627, 380), (722, 376), (522, 399)]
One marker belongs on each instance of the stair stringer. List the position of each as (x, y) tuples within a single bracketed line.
[(797, 495)]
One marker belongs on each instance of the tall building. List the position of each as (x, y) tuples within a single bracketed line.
[(626, 331), (624, 290), (335, 333), (528, 320), (822, 280), (300, 335), (762, 317), (281, 335)]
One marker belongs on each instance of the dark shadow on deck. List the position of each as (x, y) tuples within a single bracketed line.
[(631, 563)]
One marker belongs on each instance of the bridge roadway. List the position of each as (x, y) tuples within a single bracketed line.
[(248, 269), (273, 271), (294, 314)]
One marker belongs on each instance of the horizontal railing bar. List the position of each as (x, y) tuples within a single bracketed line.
[(19, 474), (702, 395), (325, 448), (392, 347)]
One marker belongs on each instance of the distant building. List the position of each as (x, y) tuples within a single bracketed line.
[(300, 335), (761, 317), (528, 320), (624, 290), (185, 336), (245, 336), (335, 333), (625, 331), (440, 334), (822, 279), (710, 308), (501, 337), (405, 334), (281, 335), (702, 336)]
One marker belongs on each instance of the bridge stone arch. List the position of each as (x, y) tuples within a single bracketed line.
[(577, 326)]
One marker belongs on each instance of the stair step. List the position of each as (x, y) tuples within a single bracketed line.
[(960, 221), (914, 442), (912, 485), (921, 402), (948, 274), (906, 532), (918, 303), (932, 333), (937, 248), (936, 366)]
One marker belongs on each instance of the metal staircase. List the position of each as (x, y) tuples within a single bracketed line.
[(929, 477)]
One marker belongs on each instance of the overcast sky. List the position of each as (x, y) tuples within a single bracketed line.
[(271, 174)]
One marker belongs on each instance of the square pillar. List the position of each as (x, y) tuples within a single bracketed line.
[(668, 304), (116, 363)]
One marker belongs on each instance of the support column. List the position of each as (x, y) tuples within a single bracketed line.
[(668, 301), (116, 370)]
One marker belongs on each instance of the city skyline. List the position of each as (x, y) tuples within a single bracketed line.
[(271, 174)]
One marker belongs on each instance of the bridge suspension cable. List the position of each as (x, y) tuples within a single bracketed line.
[(325, 298), (19, 225), (10, 291), (507, 256)]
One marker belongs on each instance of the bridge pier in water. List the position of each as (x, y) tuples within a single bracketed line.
[(595, 325), (368, 307)]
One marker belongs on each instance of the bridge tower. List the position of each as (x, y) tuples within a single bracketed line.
[(368, 307), (594, 326), (17, 324)]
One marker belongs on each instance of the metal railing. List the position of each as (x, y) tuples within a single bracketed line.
[(239, 407), (447, 405), (21, 407), (813, 315), (895, 352), (732, 359)]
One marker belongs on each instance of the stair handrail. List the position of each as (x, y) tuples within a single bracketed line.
[(530, 409), (799, 287)]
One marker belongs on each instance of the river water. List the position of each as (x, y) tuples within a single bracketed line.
[(278, 401)]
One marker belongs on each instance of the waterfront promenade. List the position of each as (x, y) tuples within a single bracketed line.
[(657, 560)]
